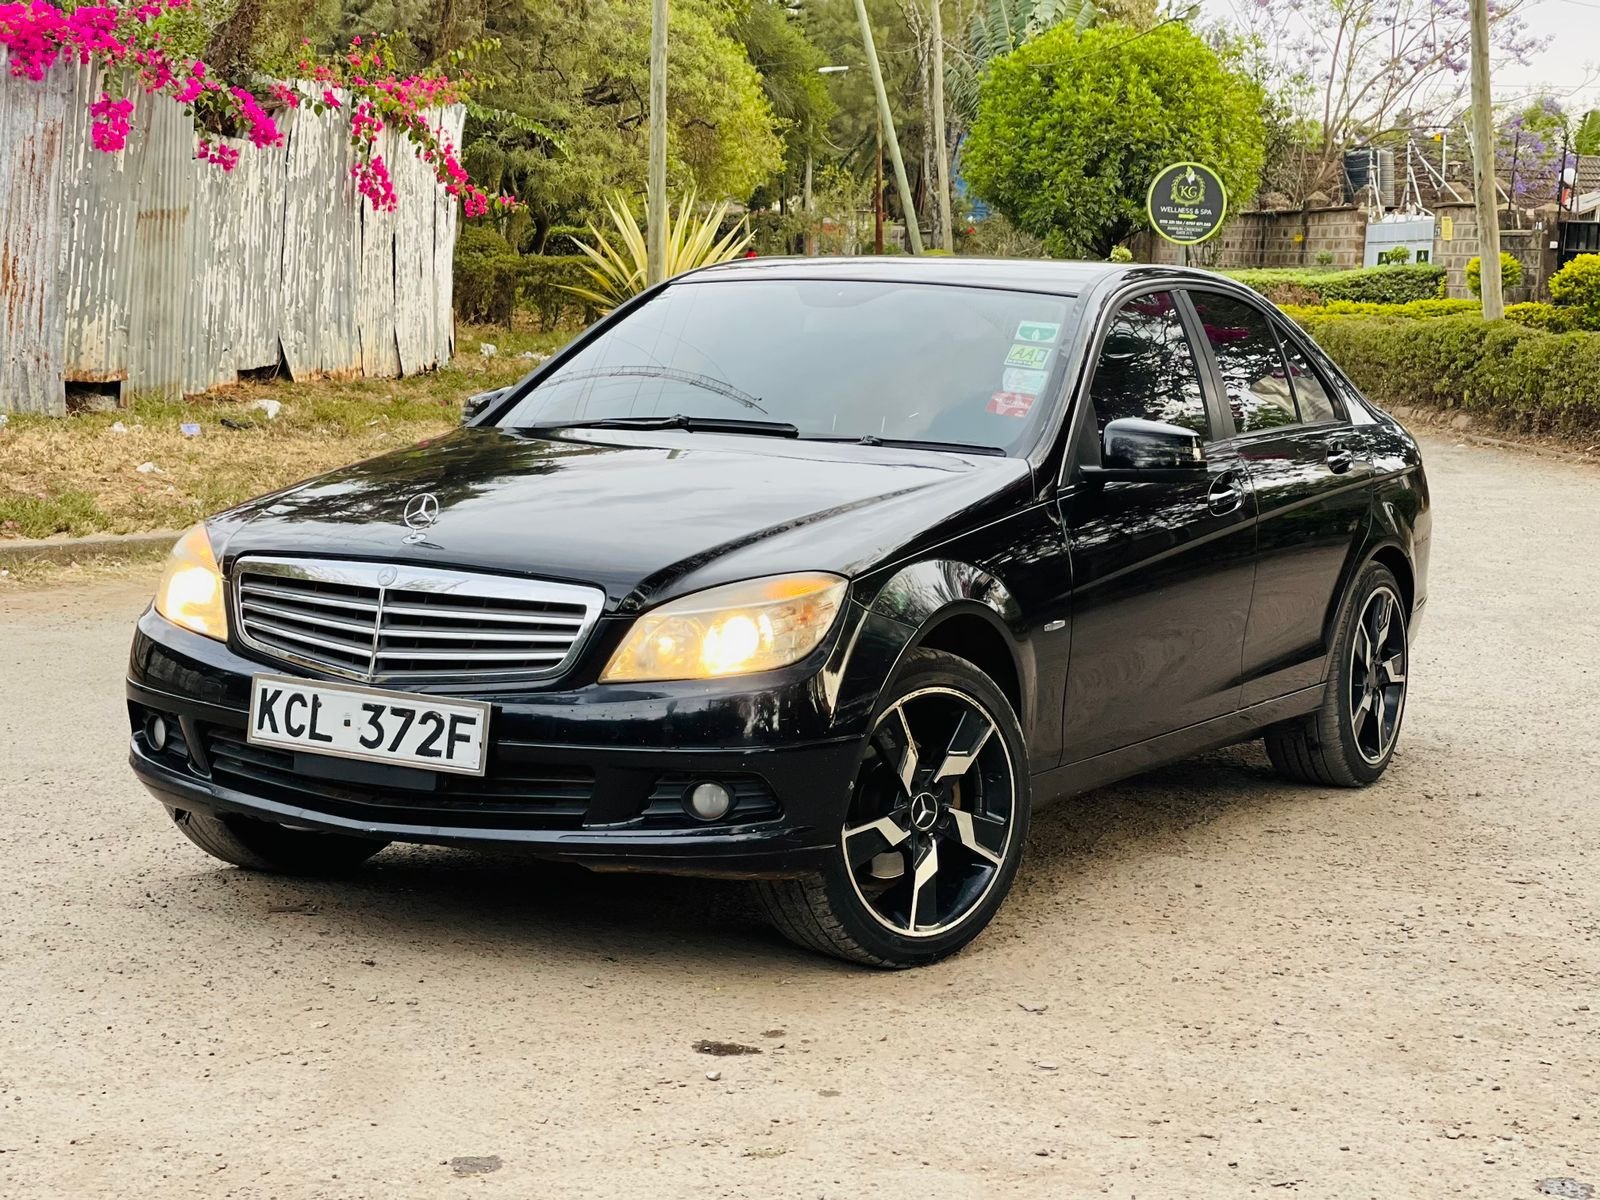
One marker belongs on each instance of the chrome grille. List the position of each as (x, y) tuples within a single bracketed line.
[(385, 622)]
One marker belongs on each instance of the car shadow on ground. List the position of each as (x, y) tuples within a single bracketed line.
[(463, 902)]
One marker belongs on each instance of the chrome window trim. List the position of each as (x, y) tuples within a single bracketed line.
[(411, 577)]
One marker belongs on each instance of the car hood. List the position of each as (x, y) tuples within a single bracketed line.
[(643, 515)]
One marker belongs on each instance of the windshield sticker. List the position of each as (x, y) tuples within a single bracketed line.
[(1018, 379), (1038, 331), (1023, 355), (1011, 404)]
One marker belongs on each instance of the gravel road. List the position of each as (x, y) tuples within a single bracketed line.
[(1207, 983)]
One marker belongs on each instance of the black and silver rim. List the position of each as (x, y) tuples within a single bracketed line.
[(1378, 675), (932, 813)]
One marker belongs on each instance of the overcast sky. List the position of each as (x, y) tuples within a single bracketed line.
[(1568, 68)]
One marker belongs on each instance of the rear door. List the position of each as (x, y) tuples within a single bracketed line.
[(1161, 570), (1311, 482)]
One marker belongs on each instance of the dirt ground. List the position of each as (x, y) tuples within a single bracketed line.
[(1206, 984)]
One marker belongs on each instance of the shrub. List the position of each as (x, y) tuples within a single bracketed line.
[(545, 286), (1121, 254), (1325, 258), (491, 282), (1510, 273), (1577, 286), (1397, 256), (1412, 310), (1537, 381), (486, 276), (1375, 285), (1549, 317)]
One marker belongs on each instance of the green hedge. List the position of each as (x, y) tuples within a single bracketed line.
[(1548, 317), (1536, 381), (492, 282), (1413, 310), (1371, 285)]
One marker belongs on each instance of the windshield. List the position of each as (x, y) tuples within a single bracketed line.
[(833, 358)]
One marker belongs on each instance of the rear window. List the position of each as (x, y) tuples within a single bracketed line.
[(836, 358)]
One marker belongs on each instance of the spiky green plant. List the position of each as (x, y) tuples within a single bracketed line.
[(620, 270)]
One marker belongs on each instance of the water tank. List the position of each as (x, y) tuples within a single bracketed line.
[(1369, 168)]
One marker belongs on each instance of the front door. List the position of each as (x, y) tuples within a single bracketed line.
[(1161, 570)]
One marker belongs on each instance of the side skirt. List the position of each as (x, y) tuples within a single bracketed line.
[(1240, 726)]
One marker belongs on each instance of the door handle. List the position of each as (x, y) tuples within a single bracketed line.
[(1225, 494), (1341, 456)]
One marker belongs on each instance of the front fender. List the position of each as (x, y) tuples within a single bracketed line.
[(915, 606)]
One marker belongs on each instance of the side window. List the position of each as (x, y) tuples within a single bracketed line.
[(1147, 368), (1316, 404), (1247, 355)]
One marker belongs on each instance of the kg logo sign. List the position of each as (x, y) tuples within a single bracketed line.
[(1186, 203)]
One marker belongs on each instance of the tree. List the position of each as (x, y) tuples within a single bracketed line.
[(1356, 70), (1072, 127), (1530, 149), (563, 123), (1586, 137)]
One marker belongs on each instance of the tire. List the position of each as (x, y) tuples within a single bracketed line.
[(1331, 747), (265, 846), (958, 826)]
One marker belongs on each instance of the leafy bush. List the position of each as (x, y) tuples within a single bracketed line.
[(491, 282), (1549, 317), (1373, 285), (545, 285), (1540, 382), (1412, 310), (486, 276), (1121, 254), (1510, 273), (1577, 286), (1396, 256), (1325, 258)]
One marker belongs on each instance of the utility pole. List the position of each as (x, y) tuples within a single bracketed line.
[(1483, 167), (877, 195), (941, 162), (656, 182), (907, 205)]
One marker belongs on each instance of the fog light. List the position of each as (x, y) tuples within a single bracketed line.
[(155, 732), (708, 801)]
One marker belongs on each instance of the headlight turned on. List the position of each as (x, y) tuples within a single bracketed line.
[(190, 592), (735, 629)]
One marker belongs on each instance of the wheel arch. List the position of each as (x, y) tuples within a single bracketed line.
[(963, 610)]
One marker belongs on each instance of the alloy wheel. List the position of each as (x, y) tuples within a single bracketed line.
[(1378, 675), (932, 813)]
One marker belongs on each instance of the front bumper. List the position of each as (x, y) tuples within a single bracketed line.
[(593, 775)]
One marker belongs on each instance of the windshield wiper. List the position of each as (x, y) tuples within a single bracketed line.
[(872, 439), (706, 383), (674, 421)]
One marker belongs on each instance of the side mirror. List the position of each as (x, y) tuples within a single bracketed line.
[(1134, 444), (476, 404)]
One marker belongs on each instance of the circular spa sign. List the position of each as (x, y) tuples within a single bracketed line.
[(1186, 203)]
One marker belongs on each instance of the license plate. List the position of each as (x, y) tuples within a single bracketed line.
[(368, 724)]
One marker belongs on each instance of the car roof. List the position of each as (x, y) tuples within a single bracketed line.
[(1023, 274), (1059, 276)]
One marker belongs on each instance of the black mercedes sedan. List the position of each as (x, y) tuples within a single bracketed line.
[(820, 573)]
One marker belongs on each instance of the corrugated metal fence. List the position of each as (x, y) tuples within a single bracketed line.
[(157, 270)]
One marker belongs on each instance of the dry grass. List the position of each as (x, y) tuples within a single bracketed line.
[(81, 475)]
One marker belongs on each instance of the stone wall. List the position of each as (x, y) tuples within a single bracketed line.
[(1272, 239), (1295, 239), (1527, 246)]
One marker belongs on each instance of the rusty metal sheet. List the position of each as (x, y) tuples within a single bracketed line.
[(32, 325), (98, 197), (157, 269)]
